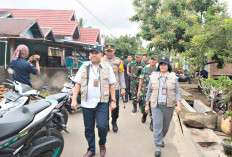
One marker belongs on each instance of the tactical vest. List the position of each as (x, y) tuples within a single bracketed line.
[(117, 67), (104, 81), (171, 84)]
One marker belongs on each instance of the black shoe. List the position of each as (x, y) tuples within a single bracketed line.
[(114, 127), (126, 101), (157, 153), (144, 118), (151, 125), (130, 99), (134, 108), (162, 144)]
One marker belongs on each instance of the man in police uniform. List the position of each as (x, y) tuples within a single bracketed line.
[(136, 69), (143, 86), (118, 69)]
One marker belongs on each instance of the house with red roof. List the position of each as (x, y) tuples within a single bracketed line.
[(53, 34), (60, 26)]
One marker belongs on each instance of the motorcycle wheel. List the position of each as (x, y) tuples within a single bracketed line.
[(190, 81), (56, 152)]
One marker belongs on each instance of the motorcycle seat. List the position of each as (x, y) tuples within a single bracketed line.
[(58, 97), (14, 121)]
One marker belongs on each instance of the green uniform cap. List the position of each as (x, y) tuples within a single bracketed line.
[(154, 56), (138, 55)]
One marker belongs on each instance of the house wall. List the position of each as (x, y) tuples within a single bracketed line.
[(4, 75), (33, 47), (2, 54), (53, 77), (214, 72)]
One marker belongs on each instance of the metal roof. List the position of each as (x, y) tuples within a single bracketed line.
[(89, 35), (62, 22), (19, 27), (5, 14)]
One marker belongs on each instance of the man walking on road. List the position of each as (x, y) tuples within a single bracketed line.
[(143, 86), (97, 82), (127, 77), (118, 69), (136, 69)]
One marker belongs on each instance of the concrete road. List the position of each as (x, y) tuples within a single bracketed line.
[(134, 139)]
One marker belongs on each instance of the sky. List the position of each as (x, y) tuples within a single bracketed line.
[(113, 13)]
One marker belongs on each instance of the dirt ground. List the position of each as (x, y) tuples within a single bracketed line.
[(193, 89)]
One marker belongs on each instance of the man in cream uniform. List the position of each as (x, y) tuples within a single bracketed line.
[(97, 82)]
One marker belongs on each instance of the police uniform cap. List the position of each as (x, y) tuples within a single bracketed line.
[(109, 47)]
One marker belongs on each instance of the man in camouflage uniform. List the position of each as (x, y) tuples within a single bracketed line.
[(118, 68), (136, 69), (143, 86)]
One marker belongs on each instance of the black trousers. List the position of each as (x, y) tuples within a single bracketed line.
[(115, 112), (128, 94)]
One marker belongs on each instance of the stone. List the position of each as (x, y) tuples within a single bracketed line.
[(194, 120)]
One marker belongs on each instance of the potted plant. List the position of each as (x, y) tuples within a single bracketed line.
[(227, 128), (211, 88)]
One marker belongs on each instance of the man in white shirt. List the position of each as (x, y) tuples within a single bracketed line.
[(97, 82)]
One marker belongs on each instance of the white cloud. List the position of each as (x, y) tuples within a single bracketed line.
[(113, 13)]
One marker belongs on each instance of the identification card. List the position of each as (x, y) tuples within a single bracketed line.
[(95, 82), (164, 91)]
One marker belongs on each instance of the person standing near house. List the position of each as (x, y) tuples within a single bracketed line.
[(22, 68), (163, 93), (96, 81), (118, 69), (143, 86), (136, 69), (127, 77)]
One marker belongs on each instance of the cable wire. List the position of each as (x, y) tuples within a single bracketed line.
[(99, 20)]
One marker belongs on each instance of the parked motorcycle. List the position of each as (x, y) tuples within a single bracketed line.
[(219, 102), (69, 88), (25, 132), (186, 77), (21, 96)]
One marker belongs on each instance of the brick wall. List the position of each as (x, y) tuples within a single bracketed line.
[(214, 72)]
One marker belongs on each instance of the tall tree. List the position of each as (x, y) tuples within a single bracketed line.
[(211, 43), (81, 22), (164, 22), (125, 45)]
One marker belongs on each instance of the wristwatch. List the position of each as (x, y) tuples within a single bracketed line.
[(113, 100)]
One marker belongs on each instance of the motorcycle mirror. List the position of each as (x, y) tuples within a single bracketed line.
[(10, 71)]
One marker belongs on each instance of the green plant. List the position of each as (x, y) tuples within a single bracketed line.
[(211, 87)]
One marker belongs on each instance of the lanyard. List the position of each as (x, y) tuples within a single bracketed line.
[(98, 71), (164, 81)]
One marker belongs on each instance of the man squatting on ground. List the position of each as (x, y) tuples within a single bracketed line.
[(97, 82)]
